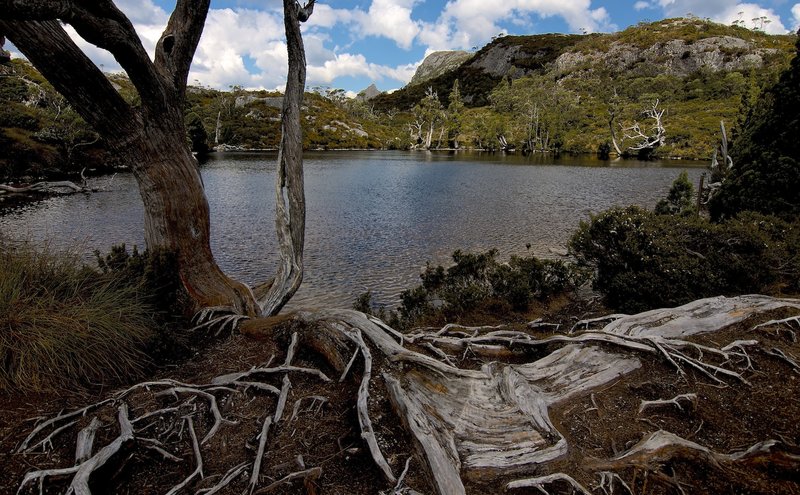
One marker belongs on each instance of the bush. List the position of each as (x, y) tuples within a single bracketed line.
[(478, 282), (62, 323), (679, 199), (644, 261), (154, 274)]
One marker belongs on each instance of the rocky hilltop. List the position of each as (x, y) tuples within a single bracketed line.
[(677, 47), (438, 63)]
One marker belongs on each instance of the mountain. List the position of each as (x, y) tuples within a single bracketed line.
[(438, 63), (367, 94), (479, 74), (679, 47)]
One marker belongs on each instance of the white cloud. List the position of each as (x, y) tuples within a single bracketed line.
[(326, 16), (390, 19), (232, 36), (642, 5), (143, 12), (726, 12), (348, 64), (796, 14), (467, 23)]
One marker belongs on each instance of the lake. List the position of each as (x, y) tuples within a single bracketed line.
[(374, 217)]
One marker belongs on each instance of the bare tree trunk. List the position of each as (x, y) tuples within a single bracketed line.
[(290, 210), (429, 137), (218, 128), (614, 143)]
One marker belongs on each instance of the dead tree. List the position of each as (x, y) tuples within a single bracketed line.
[(721, 165), (150, 138), (612, 119), (647, 142)]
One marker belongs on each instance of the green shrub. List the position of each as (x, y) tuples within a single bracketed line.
[(154, 273), (644, 260), (62, 323), (478, 282), (766, 154), (679, 200)]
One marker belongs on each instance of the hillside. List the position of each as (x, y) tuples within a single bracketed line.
[(700, 73), (674, 46)]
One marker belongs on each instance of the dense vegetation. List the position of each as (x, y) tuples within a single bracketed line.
[(63, 323), (40, 134), (644, 260), (766, 154)]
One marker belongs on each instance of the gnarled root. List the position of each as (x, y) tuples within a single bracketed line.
[(662, 446), (485, 423)]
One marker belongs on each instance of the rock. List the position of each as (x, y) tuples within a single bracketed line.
[(498, 60), (271, 101), (438, 63), (675, 57)]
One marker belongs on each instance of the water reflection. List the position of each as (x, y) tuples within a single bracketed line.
[(374, 218)]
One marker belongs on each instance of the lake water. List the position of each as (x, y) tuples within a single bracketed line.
[(374, 218)]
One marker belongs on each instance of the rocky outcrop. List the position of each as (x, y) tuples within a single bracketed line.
[(675, 57), (438, 63), (498, 60), (270, 101)]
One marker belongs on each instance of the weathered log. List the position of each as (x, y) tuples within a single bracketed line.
[(58, 187)]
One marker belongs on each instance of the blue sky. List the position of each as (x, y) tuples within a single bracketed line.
[(353, 43)]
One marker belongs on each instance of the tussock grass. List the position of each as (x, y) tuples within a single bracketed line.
[(62, 323)]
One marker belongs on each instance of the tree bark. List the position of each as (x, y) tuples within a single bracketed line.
[(290, 209)]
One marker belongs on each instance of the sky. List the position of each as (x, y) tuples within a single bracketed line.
[(351, 44)]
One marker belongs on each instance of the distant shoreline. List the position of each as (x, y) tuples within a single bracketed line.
[(452, 150)]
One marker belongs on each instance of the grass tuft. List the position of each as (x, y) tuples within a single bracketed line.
[(62, 323)]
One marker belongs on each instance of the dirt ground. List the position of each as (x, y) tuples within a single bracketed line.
[(325, 433)]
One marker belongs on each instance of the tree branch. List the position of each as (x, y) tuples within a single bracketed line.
[(178, 43), (48, 46), (102, 24)]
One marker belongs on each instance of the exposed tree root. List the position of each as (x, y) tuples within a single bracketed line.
[(309, 476), (607, 480), (487, 423), (690, 399), (586, 324), (82, 472), (662, 446), (540, 482)]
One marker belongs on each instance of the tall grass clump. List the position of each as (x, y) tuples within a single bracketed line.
[(62, 323)]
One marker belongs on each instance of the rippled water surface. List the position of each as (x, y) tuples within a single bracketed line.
[(374, 218)]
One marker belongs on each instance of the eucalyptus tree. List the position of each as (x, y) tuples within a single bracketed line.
[(150, 136)]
